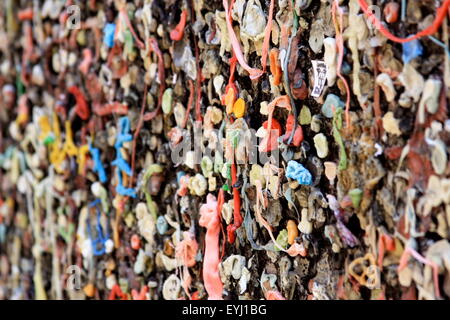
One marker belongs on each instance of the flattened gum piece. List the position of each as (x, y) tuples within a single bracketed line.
[(292, 231)]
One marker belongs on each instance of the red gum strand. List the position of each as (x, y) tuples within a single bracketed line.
[(177, 33), (433, 28), (81, 108)]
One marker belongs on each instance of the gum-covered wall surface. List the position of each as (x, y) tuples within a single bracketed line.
[(224, 149)]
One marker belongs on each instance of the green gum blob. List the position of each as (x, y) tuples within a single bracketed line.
[(151, 205), (207, 166), (282, 239), (305, 116), (226, 170), (337, 126), (167, 101), (355, 195)]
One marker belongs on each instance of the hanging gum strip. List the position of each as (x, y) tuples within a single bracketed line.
[(198, 84), (259, 217), (190, 102), (282, 102), (254, 73), (27, 52), (433, 28), (177, 33), (220, 202), (267, 33), (231, 84), (153, 45), (82, 151), (209, 219), (404, 261), (137, 131), (237, 217), (124, 14), (81, 108), (186, 251), (340, 45)]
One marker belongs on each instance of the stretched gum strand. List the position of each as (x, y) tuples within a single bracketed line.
[(295, 249), (433, 28), (385, 242), (231, 85), (404, 261), (267, 33), (220, 202), (237, 218), (198, 85), (124, 14), (190, 102), (376, 97), (87, 61), (340, 45), (209, 218), (177, 33), (186, 249), (28, 51), (153, 45), (187, 281), (282, 102), (254, 73), (91, 24), (138, 130)]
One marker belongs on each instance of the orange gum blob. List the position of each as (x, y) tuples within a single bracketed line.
[(275, 67)]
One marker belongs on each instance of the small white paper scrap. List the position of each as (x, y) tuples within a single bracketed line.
[(320, 76)]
